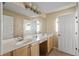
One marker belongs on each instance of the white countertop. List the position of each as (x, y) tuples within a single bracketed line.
[(12, 44)]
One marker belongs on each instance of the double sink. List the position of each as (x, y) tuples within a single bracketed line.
[(14, 43)]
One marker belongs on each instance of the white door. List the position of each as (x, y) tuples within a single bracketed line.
[(66, 29)]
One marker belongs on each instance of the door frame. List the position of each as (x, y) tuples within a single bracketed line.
[(77, 28)]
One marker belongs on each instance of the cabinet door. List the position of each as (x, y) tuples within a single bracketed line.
[(24, 51), (35, 49), (8, 54), (50, 43), (55, 41), (43, 48)]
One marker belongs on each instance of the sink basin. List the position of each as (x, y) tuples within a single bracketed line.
[(23, 42), (19, 42)]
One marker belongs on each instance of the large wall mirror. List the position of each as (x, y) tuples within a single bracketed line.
[(30, 28), (8, 22)]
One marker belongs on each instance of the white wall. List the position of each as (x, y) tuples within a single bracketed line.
[(43, 24)]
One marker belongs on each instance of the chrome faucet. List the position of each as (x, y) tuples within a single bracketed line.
[(20, 38)]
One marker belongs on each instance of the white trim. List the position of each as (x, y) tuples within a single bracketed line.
[(76, 28), (1, 27)]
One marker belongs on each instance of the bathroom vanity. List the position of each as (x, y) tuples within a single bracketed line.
[(39, 46)]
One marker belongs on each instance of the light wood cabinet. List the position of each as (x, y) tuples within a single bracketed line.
[(24, 51), (55, 41), (30, 50), (50, 43), (8, 54), (35, 49)]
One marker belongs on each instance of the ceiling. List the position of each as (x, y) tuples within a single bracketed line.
[(49, 7), (46, 7)]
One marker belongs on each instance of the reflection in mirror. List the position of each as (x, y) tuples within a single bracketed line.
[(7, 27), (31, 27)]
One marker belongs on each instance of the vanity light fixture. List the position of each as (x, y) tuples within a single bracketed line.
[(32, 7)]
